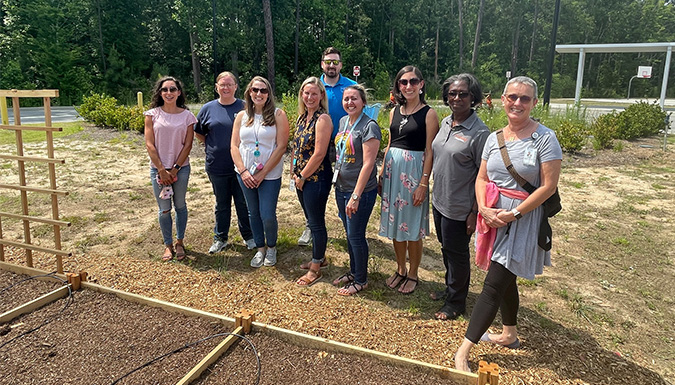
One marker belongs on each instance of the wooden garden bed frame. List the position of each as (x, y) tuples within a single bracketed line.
[(244, 323)]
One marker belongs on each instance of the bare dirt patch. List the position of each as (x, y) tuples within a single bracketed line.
[(602, 314)]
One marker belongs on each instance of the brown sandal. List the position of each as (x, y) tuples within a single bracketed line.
[(168, 254), (306, 281), (180, 253)]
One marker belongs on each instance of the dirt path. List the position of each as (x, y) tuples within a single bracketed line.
[(602, 314)]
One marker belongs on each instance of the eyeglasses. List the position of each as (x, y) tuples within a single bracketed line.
[(263, 91), (170, 89), (226, 85), (455, 94), (413, 82), (333, 62), (523, 98)]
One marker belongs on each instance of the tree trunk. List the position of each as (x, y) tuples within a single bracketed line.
[(476, 40), (514, 47), (438, 28), (196, 68), (297, 38), (347, 25), (461, 34), (100, 35), (534, 30), (269, 41)]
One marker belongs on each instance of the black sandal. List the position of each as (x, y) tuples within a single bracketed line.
[(450, 313), (345, 278), (398, 278)]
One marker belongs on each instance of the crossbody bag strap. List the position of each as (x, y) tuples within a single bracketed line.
[(509, 166)]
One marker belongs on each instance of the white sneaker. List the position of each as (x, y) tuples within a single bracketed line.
[(271, 257), (217, 246), (257, 260), (306, 237), (250, 244)]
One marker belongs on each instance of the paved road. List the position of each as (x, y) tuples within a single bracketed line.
[(36, 115)]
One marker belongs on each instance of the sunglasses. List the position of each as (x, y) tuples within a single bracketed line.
[(455, 94), (263, 91), (523, 98), (413, 82), (170, 89), (333, 62)]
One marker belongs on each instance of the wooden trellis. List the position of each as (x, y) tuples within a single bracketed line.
[(23, 187)]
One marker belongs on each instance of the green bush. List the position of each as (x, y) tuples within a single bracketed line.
[(494, 118), (571, 135), (640, 120), (290, 105), (603, 130), (102, 110)]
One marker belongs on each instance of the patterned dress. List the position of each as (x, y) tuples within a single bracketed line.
[(403, 170)]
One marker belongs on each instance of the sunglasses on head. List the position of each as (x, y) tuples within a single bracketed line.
[(523, 98), (333, 62), (263, 91), (455, 94), (413, 82), (170, 89)]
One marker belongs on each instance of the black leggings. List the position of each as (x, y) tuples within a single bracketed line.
[(500, 292)]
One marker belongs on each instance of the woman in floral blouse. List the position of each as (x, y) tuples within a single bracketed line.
[(310, 170)]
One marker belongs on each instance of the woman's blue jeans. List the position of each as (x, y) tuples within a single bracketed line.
[(355, 227), (226, 188), (313, 198), (179, 191), (262, 210)]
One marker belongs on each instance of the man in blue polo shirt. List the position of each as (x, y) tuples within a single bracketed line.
[(331, 64)]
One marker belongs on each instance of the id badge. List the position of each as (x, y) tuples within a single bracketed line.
[(291, 185), (253, 168), (336, 172), (530, 157)]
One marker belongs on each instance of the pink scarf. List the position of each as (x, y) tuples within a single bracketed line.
[(485, 235)]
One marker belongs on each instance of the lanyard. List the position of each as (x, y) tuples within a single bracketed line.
[(257, 124), (341, 145)]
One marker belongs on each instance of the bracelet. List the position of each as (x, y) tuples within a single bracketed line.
[(424, 185)]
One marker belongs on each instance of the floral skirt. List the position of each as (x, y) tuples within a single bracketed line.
[(399, 219)]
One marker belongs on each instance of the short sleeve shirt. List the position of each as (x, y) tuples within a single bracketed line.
[(352, 138), (457, 158), (214, 121), (334, 95), (170, 131)]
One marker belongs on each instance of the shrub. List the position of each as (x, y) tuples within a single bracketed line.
[(102, 110), (604, 130), (571, 135), (639, 120), (290, 105)]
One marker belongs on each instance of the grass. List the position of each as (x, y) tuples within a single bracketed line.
[(9, 137)]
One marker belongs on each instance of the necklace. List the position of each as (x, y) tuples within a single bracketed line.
[(404, 121)]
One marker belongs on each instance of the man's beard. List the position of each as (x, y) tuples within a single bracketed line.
[(331, 73)]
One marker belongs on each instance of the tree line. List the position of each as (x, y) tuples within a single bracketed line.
[(119, 47)]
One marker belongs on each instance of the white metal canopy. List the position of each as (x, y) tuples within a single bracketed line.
[(582, 49)]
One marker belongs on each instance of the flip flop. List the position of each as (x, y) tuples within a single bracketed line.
[(397, 278), (180, 255), (304, 281), (513, 345), (404, 283), (305, 265)]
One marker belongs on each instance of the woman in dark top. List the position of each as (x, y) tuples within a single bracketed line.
[(310, 169), (457, 155), (404, 180), (214, 130)]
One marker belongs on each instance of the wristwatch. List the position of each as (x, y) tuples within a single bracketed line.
[(516, 213), (176, 166), (355, 196)]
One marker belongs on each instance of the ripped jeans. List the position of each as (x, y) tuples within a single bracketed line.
[(164, 213)]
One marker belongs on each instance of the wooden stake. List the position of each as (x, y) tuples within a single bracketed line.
[(244, 318), (488, 373), (74, 280)]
